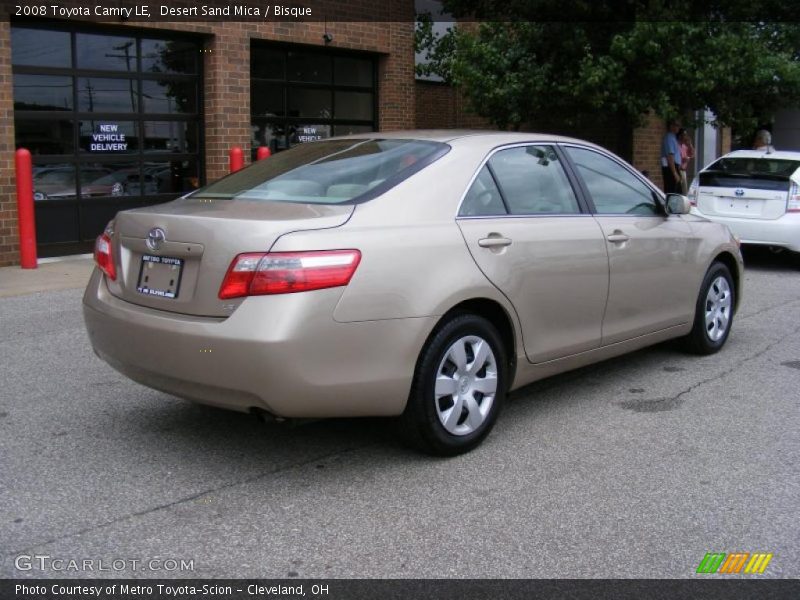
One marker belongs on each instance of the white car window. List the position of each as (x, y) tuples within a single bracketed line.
[(748, 172)]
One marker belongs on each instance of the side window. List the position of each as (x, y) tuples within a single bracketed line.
[(483, 197), (613, 188), (533, 181)]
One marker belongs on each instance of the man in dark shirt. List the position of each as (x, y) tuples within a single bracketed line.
[(671, 158)]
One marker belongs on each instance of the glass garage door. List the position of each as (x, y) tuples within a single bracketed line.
[(300, 94), (112, 119)]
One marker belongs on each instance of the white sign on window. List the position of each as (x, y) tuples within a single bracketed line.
[(108, 138), (312, 133)]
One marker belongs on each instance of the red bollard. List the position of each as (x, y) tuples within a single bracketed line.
[(263, 152), (236, 159), (26, 221)]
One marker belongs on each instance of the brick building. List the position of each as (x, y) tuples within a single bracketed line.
[(119, 114), (125, 113)]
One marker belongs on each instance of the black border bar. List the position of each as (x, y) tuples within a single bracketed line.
[(543, 11), (705, 587)]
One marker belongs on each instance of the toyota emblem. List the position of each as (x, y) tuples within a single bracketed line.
[(155, 237), (739, 192)]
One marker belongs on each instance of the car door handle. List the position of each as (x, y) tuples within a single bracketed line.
[(618, 237), (494, 242)]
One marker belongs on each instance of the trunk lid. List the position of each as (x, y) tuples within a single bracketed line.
[(182, 272), (751, 196)]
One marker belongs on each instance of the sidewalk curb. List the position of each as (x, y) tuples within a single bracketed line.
[(65, 274)]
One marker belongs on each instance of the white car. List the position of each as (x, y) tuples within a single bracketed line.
[(755, 193)]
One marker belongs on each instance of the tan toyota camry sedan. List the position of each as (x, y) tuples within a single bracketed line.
[(420, 275)]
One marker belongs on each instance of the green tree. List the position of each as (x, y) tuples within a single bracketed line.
[(518, 61)]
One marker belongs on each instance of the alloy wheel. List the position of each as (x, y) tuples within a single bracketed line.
[(718, 308), (466, 385)]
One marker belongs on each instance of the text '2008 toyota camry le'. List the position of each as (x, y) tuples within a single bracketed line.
[(420, 275)]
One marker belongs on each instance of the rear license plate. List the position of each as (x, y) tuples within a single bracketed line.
[(743, 206), (160, 276)]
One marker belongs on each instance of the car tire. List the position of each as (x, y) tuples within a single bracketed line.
[(714, 311), (459, 386)]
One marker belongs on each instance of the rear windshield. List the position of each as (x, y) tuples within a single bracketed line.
[(328, 172), (755, 173)]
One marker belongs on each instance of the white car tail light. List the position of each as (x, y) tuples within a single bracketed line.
[(104, 256), (257, 274), (793, 201)]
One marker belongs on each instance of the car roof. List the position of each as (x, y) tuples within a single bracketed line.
[(458, 135), (779, 154)]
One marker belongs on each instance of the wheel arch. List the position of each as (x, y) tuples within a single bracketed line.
[(420, 424), (727, 259), (498, 316)]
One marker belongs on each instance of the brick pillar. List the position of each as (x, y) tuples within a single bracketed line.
[(9, 243), (396, 91), (227, 97), (647, 147), (725, 140)]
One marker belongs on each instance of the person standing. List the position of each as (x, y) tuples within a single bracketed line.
[(763, 141), (671, 158), (687, 154)]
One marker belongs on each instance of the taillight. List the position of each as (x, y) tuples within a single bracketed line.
[(694, 191), (258, 274), (104, 257), (793, 201)]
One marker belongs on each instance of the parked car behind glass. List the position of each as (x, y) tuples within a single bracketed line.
[(59, 181)]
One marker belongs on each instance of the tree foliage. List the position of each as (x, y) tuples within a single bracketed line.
[(518, 60)]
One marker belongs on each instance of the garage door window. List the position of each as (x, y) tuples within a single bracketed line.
[(299, 95), (112, 120)]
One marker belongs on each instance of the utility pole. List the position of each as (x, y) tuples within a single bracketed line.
[(90, 93), (126, 48)]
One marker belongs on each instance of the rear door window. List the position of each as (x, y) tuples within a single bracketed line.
[(483, 198), (533, 182)]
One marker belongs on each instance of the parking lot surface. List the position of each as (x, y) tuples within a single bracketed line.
[(635, 467)]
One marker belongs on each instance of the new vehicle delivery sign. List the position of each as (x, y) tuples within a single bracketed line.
[(108, 138)]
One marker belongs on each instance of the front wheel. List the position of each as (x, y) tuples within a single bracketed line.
[(459, 387), (714, 312)]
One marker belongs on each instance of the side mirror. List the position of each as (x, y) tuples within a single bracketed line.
[(678, 204)]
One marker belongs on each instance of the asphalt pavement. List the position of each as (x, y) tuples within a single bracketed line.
[(635, 467)]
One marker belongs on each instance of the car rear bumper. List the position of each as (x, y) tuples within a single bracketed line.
[(283, 354), (783, 231)]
